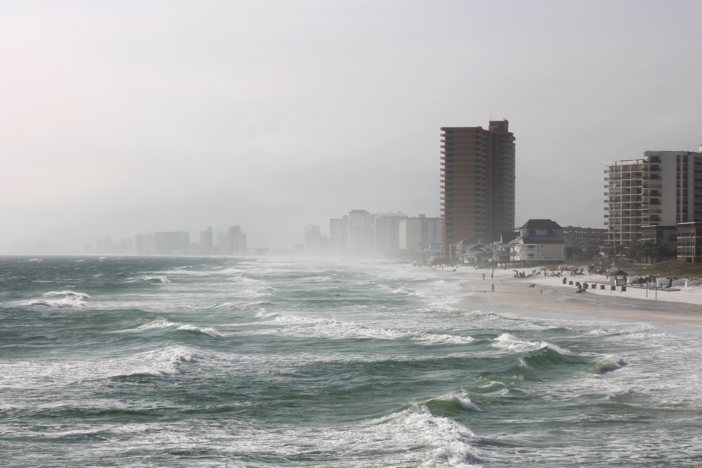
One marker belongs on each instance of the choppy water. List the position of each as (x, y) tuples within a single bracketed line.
[(182, 362)]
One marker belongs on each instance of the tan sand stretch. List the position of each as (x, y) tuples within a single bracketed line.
[(550, 295)]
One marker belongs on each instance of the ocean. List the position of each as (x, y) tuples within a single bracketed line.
[(262, 362)]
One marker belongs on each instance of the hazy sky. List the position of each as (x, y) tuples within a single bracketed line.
[(119, 117)]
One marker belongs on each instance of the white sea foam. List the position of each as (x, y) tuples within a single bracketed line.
[(462, 399), (609, 365), (66, 293), (511, 343), (66, 299), (156, 279), (158, 324), (417, 427), (410, 438), (431, 338), (155, 363), (163, 323), (164, 361), (334, 329), (204, 331)]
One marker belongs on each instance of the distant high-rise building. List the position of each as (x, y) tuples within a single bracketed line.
[(138, 244), (421, 233), (312, 239), (359, 232), (386, 232), (223, 243), (206, 241), (149, 243), (171, 242), (337, 235), (662, 188), (478, 177), (236, 240)]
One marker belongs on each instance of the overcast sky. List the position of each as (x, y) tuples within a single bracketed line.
[(119, 117)]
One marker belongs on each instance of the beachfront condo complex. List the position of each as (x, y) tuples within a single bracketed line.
[(662, 188)]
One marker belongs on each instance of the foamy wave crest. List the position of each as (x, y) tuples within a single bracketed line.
[(330, 329), (203, 331), (460, 399), (337, 330), (67, 299), (435, 339), (156, 279), (417, 428), (512, 343), (609, 365), (66, 293), (157, 363), (158, 324), (163, 323)]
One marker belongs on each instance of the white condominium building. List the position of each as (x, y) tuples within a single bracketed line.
[(386, 229), (662, 188), (420, 233)]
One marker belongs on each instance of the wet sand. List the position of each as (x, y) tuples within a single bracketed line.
[(516, 294)]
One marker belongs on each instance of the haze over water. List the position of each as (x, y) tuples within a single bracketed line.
[(266, 363)]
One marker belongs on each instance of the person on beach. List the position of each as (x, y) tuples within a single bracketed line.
[(483, 276), (493, 288)]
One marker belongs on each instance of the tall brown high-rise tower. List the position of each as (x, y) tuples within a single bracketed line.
[(478, 179)]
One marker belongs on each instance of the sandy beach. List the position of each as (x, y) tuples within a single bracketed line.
[(549, 295)]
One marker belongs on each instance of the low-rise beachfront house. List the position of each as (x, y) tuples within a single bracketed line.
[(457, 249), (476, 253), (689, 242), (501, 249), (540, 241)]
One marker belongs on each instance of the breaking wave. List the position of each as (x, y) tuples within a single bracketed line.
[(511, 343), (164, 324), (339, 330), (609, 365), (156, 279), (65, 299)]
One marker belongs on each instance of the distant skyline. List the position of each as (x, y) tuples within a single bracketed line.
[(125, 117)]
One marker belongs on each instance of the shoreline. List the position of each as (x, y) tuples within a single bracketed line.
[(547, 297)]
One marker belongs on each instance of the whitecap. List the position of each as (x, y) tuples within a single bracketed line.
[(450, 440), (158, 324), (609, 365), (433, 339), (462, 400), (511, 343), (466, 403), (69, 299), (156, 363), (66, 293), (156, 279), (203, 331)]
